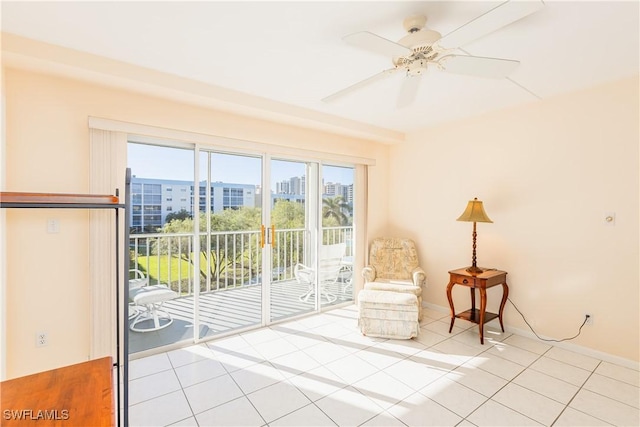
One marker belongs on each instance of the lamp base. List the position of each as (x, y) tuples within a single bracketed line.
[(474, 270)]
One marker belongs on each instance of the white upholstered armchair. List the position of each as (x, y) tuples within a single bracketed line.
[(394, 266)]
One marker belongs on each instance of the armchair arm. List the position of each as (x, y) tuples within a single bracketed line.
[(369, 273), (419, 277), (138, 280), (303, 273)]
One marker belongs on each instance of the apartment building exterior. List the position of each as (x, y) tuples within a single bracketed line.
[(153, 199)]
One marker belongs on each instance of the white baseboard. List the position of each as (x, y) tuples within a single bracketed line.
[(627, 363)]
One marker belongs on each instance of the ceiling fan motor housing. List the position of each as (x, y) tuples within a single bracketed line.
[(416, 67), (420, 42), (420, 38)]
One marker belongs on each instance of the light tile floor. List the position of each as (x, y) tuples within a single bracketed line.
[(320, 371)]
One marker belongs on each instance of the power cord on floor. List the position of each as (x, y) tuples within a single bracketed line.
[(586, 319)]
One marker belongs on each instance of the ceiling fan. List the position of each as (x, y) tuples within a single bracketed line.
[(423, 48)]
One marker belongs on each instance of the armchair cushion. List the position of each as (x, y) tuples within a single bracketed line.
[(388, 314), (395, 259), (394, 286)]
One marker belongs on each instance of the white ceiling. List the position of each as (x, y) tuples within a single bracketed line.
[(289, 55)]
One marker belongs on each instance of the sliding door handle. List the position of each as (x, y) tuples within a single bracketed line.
[(273, 236), (263, 232)]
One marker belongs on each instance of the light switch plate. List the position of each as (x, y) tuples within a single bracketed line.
[(53, 225)]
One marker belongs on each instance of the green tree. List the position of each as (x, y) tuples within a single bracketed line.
[(336, 212), (287, 215), (289, 220), (229, 254), (180, 215)]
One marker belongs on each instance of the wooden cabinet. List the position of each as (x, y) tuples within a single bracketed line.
[(76, 395)]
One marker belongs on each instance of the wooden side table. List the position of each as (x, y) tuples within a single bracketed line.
[(482, 281)]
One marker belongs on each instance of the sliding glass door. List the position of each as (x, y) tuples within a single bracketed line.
[(292, 201), (244, 240), (336, 226), (230, 242), (161, 242)]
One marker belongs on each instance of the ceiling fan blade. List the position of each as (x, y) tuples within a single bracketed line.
[(408, 91), (359, 85), (498, 17), (376, 44), (478, 66)]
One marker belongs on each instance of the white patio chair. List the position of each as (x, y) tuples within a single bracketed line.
[(330, 264), (137, 281), (148, 300)]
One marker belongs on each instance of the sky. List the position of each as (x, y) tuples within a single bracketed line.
[(148, 161)]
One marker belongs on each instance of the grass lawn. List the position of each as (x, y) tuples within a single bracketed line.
[(157, 268), (177, 272)]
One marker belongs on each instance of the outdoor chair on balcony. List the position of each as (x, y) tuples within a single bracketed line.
[(330, 264), (147, 311), (393, 266)]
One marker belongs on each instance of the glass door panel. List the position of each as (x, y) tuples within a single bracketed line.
[(231, 280), (292, 280), (337, 228), (161, 242)]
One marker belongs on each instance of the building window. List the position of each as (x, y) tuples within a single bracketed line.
[(232, 198), (152, 188)]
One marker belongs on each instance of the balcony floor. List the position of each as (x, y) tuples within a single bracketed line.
[(229, 310)]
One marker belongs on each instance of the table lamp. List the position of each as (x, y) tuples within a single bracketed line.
[(474, 213)]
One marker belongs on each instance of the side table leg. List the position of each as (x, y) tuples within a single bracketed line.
[(483, 307), (505, 295), (473, 298), (453, 313)]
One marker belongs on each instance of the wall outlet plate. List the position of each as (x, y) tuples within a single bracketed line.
[(42, 339)]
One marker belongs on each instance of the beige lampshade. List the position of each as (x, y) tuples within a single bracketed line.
[(474, 212)]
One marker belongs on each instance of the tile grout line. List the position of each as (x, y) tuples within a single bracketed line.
[(508, 382), (574, 396)]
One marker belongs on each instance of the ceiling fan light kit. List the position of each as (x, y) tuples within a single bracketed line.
[(423, 48)]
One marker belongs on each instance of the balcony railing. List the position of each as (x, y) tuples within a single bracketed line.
[(228, 260)]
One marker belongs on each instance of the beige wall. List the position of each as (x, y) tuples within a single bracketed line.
[(47, 150), (547, 173)]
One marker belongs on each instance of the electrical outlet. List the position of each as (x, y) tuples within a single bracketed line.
[(42, 339), (589, 318)]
